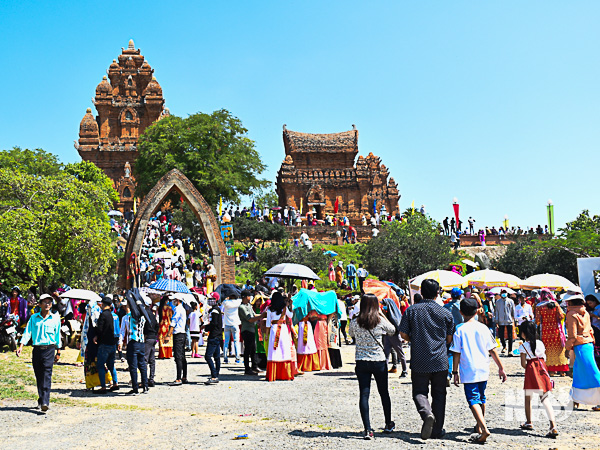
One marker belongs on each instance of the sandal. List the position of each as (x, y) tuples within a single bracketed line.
[(553, 433), (526, 426), (596, 408), (475, 439)]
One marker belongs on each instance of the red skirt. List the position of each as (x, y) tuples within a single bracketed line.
[(308, 363), (537, 377), (324, 361), (280, 370), (165, 352)]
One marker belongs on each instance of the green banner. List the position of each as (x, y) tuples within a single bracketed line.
[(551, 219)]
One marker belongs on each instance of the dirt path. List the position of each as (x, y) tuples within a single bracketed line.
[(317, 410)]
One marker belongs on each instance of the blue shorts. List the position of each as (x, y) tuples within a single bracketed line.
[(475, 393)]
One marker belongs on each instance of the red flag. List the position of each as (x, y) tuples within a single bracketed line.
[(336, 206), (455, 206)]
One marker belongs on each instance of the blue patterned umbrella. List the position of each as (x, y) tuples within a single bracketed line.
[(168, 285)]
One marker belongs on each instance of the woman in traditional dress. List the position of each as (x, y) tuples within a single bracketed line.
[(586, 376), (89, 349), (333, 340), (549, 316), (165, 345), (308, 359), (331, 271), (211, 278), (339, 273), (279, 356), (321, 338)]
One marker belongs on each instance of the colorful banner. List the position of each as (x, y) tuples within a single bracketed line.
[(551, 218), (220, 206), (301, 205), (336, 206), (412, 205), (455, 206)]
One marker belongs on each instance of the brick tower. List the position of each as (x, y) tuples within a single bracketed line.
[(127, 102)]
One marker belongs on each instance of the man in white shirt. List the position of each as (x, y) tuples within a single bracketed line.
[(375, 231), (231, 322), (362, 275), (177, 330), (523, 310)]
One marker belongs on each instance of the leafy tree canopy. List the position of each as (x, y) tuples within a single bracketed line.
[(403, 250), (33, 162), (277, 254), (212, 150), (246, 229), (266, 197), (53, 224)]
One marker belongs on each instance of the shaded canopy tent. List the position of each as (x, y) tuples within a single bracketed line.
[(115, 213), (445, 278), (307, 300), (498, 290), (489, 278), (547, 280), (381, 290)]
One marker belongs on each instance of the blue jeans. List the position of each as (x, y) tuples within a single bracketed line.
[(137, 360), (106, 356), (213, 356), (229, 330)]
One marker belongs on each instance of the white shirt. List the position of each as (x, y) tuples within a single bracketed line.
[(362, 272), (230, 312), (354, 310), (523, 313), (194, 321), (473, 340), (178, 319), (342, 307), (540, 350), (375, 232)]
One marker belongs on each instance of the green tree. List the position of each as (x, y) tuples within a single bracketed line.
[(278, 254), (246, 229), (266, 197), (55, 225), (403, 250), (212, 150), (34, 162)]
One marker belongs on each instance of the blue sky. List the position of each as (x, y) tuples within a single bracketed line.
[(495, 103)]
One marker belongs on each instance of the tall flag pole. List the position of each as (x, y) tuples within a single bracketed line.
[(374, 206), (550, 217), (220, 206)]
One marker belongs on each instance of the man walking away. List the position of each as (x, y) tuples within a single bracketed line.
[(132, 330), (232, 326), (43, 329), (150, 338), (248, 318), (215, 338), (351, 275), (504, 316), (362, 276), (177, 330), (429, 328), (105, 338)]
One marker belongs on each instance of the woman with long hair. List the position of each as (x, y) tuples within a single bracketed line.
[(165, 312), (537, 379), (368, 328), (280, 364), (550, 316)]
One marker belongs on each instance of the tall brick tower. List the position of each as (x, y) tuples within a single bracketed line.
[(127, 102)]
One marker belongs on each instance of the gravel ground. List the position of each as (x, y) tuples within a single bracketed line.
[(317, 410)]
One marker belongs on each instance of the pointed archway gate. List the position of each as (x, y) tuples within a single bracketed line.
[(177, 181)]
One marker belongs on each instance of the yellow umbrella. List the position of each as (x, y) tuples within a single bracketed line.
[(546, 280), (492, 278), (446, 278)]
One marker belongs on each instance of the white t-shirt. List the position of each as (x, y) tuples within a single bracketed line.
[(473, 340), (523, 313), (540, 350), (194, 318), (230, 312), (354, 310), (362, 272), (342, 307)]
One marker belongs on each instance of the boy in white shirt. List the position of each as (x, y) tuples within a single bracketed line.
[(472, 346)]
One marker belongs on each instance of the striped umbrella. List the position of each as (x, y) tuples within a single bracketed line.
[(168, 285)]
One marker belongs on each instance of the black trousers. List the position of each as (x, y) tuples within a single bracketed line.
[(364, 370), (249, 350), (137, 360), (150, 354), (509, 333), (343, 324), (420, 392), (42, 361), (179, 354)]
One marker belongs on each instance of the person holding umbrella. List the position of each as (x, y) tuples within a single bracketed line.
[(43, 329)]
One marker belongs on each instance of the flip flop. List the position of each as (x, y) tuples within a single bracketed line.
[(526, 426), (475, 439)]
